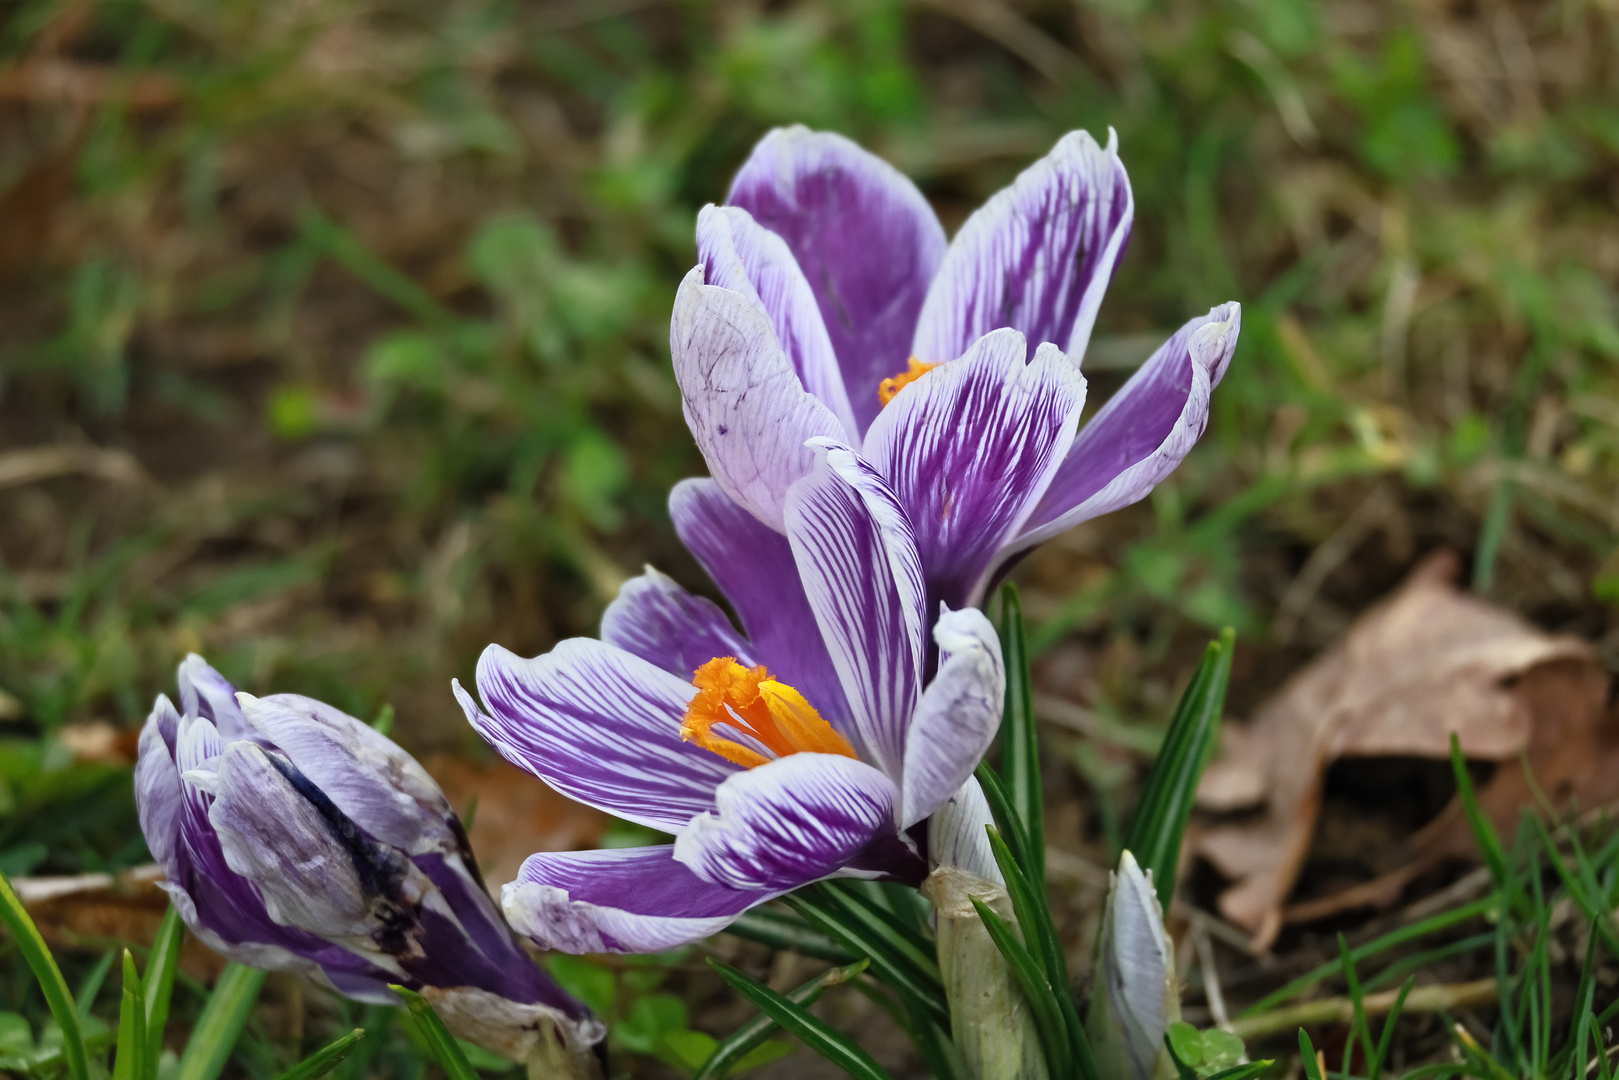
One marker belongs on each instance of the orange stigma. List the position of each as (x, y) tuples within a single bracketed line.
[(891, 386), (768, 713)]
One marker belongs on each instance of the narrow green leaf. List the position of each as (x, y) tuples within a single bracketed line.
[(1489, 842), (901, 935), (1030, 911), (1000, 805), (1020, 737), (438, 1038), (131, 1053), (741, 1042), (90, 988), (221, 1023), (943, 1061), (1358, 1004), (1171, 787), (49, 976), (1043, 1007), (323, 1061), (1312, 1068), (785, 931), (159, 986), (810, 1029), (891, 967), (1243, 1072), (1374, 1068)]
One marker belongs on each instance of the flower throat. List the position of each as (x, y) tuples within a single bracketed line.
[(748, 718)]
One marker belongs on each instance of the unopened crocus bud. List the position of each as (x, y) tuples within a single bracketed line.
[(1134, 997), (296, 838)]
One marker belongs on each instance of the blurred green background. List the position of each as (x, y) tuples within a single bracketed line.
[(333, 333)]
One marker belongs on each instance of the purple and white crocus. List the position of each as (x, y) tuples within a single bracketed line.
[(296, 838), (826, 304), (813, 747)]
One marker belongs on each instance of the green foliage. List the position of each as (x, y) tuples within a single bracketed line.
[(792, 1017), (1203, 1053)]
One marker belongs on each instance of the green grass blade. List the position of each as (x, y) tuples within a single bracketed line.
[(323, 1061), (1312, 1067), (221, 1023), (1243, 1072), (90, 988), (438, 1038), (891, 967), (1020, 738), (1489, 841), (1171, 787), (741, 1042), (810, 1029), (880, 920), (785, 931), (1358, 1003), (159, 986), (51, 983), (1374, 1068), (131, 1054), (1042, 999)]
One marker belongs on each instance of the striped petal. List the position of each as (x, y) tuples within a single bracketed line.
[(204, 692), (754, 568), (863, 235), (788, 823), (970, 447), (958, 716), (1144, 430), (739, 254), (1037, 257), (600, 726), (654, 618), (623, 900), (743, 401), (858, 560)]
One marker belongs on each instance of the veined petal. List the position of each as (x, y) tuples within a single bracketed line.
[(618, 900), (276, 838), (958, 716), (788, 823), (1037, 257), (957, 837), (204, 692), (754, 568), (970, 447), (600, 726), (1143, 431), (738, 253), (382, 788), (158, 791), (743, 401), (1134, 997), (858, 560), (654, 618), (862, 234)]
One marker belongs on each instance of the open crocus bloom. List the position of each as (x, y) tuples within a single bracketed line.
[(826, 304), (294, 837), (808, 749)]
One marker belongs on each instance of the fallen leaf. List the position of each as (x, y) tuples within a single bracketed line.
[(515, 816), (1424, 663), (97, 911)]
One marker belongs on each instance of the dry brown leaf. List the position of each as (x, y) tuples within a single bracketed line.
[(1425, 662), (516, 814), (96, 911)]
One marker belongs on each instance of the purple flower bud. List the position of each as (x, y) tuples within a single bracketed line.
[(296, 838)]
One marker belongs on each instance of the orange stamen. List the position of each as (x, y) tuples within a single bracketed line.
[(891, 386), (749, 701)]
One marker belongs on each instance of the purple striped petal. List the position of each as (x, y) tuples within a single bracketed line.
[(863, 235), (382, 788), (1037, 257), (744, 403), (970, 447), (600, 726), (654, 618), (739, 254), (858, 560), (158, 796), (618, 900), (1143, 431), (788, 823), (754, 568), (205, 693), (958, 716), (956, 836)]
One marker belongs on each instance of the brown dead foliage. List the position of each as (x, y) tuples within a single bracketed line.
[(1424, 664)]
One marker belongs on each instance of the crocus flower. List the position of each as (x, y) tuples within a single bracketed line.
[(807, 749), (296, 838), (826, 304), (1134, 997)]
